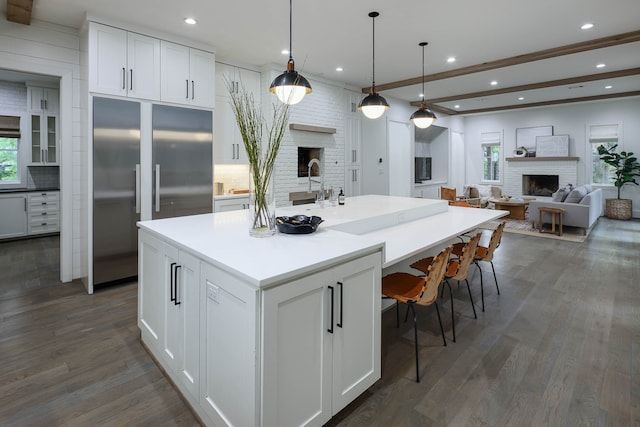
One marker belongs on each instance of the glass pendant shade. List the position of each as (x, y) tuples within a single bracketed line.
[(290, 87), (373, 106), (423, 117)]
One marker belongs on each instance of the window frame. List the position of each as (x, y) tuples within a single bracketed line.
[(492, 139), (22, 152), (589, 153)]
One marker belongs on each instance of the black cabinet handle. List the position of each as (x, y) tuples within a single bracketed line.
[(193, 90), (124, 78), (339, 324), (187, 97), (175, 284), (171, 280), (330, 330), (130, 78)]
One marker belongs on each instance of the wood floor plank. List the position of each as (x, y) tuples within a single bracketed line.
[(559, 346)]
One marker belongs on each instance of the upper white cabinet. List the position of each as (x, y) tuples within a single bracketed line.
[(353, 146), (228, 144), (123, 63), (188, 75), (43, 108)]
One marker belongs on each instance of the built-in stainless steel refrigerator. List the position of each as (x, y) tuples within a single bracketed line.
[(182, 162), (181, 179)]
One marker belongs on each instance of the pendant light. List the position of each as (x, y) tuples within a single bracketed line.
[(373, 105), (290, 87), (423, 118)]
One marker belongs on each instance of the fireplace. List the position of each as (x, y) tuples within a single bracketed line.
[(539, 185)]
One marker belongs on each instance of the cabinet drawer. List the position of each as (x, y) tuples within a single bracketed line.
[(46, 206), (43, 197), (40, 217), (44, 227)]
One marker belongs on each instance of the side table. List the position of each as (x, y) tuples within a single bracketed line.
[(556, 215)]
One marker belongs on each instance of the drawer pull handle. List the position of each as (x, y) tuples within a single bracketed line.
[(44, 203)]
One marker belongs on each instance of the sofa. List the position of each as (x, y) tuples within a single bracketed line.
[(483, 193), (582, 206)]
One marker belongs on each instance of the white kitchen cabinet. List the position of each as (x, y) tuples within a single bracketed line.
[(228, 144), (294, 353), (169, 310), (123, 63), (13, 215), (353, 147), (188, 75), (43, 108), (230, 204), (43, 212), (321, 342)]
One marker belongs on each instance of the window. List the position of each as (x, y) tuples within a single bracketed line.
[(9, 150), (491, 143), (9, 160), (607, 135)]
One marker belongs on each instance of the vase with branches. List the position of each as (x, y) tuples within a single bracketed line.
[(261, 153)]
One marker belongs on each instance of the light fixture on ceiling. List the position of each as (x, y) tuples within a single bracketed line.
[(290, 87), (451, 59), (494, 83), (587, 26), (601, 65), (373, 105), (608, 87), (423, 117), (190, 21)]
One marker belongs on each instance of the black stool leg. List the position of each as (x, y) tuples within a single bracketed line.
[(495, 278), (415, 333), (453, 322), (471, 298), (440, 321), (481, 285)]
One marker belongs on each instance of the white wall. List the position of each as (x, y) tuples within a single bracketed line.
[(571, 119), (53, 50)]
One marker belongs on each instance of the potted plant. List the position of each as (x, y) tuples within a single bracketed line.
[(262, 156), (626, 170)]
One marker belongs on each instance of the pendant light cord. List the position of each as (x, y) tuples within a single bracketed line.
[(423, 94), (290, 29), (373, 65)]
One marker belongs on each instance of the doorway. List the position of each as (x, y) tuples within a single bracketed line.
[(62, 77)]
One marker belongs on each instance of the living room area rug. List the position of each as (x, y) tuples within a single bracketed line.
[(519, 226)]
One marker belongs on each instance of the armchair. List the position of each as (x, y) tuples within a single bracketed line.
[(483, 193)]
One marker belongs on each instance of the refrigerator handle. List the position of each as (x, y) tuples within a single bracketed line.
[(157, 188), (137, 188)]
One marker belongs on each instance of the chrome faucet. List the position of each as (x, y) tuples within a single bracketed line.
[(320, 197)]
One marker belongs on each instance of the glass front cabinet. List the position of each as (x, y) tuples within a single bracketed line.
[(43, 107)]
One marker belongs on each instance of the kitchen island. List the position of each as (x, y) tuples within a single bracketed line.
[(283, 330)]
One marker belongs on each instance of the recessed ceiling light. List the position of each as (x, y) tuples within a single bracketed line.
[(494, 83), (456, 106), (190, 21), (521, 98), (608, 87), (451, 59), (601, 65), (587, 26), (284, 51), (339, 69), (421, 95)]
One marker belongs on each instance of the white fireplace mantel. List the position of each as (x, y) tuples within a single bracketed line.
[(565, 167)]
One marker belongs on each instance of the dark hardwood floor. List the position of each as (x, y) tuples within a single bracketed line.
[(559, 346)]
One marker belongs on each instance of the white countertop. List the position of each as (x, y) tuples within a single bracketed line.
[(400, 226)]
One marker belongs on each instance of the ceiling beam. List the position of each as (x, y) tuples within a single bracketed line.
[(533, 86), (19, 11), (554, 102), (600, 43)]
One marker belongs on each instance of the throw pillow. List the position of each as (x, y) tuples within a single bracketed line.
[(558, 196), (484, 191), (576, 195)]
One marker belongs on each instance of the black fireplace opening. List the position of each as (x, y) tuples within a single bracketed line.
[(540, 185), (305, 154)]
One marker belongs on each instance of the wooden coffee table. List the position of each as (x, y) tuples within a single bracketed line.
[(516, 209)]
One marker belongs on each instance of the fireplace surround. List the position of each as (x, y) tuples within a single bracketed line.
[(566, 168)]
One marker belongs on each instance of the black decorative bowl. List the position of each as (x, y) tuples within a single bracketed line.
[(298, 224)]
